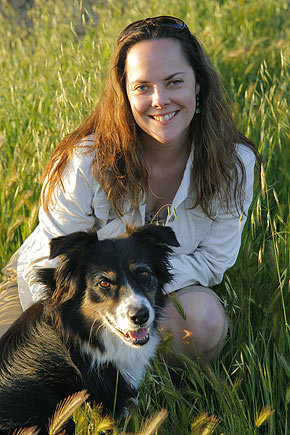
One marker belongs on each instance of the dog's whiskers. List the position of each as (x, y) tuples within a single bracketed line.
[(91, 330), (159, 311)]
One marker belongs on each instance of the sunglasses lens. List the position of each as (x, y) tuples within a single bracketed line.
[(172, 22), (162, 21)]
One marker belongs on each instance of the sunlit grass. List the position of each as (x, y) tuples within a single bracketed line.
[(51, 77)]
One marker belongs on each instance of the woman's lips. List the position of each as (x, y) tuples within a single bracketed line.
[(165, 117)]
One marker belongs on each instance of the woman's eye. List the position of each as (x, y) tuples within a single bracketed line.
[(141, 88), (104, 283), (175, 82)]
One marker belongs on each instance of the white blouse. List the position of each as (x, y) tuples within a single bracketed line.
[(207, 247)]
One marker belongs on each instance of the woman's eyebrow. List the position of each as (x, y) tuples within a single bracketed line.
[(173, 75), (166, 78)]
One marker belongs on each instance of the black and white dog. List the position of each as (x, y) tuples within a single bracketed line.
[(96, 324)]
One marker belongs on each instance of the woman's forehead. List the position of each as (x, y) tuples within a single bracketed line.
[(158, 56)]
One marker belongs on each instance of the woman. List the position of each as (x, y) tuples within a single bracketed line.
[(161, 147)]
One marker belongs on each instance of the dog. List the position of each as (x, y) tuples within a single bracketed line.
[(95, 328)]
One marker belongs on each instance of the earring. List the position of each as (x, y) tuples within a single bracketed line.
[(197, 108)]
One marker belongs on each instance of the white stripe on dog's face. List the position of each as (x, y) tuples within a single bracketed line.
[(128, 307)]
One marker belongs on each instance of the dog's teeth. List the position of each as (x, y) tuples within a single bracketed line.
[(139, 335)]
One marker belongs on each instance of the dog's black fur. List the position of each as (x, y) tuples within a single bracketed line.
[(98, 316)]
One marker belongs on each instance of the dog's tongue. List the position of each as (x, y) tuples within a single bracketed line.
[(139, 334)]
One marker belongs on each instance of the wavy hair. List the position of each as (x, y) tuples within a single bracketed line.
[(217, 170)]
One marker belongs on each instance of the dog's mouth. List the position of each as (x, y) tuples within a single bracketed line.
[(137, 337)]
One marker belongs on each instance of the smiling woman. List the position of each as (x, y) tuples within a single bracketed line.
[(162, 92), (160, 147)]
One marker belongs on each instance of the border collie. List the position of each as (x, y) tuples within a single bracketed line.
[(96, 323)]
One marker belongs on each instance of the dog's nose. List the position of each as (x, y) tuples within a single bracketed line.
[(139, 316)]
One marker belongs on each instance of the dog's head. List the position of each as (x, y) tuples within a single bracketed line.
[(113, 283)]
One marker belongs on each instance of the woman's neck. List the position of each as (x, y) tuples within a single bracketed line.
[(166, 165), (164, 155)]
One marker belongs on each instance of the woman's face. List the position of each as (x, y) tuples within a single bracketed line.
[(161, 89)]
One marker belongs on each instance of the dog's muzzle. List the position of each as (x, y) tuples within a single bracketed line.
[(133, 328)]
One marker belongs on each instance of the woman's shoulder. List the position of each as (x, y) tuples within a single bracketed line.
[(246, 154), (79, 167), (84, 147), (83, 154)]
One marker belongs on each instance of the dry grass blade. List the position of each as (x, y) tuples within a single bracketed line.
[(151, 425), (263, 415), (212, 424), (92, 420), (64, 411), (27, 431), (204, 424), (102, 423)]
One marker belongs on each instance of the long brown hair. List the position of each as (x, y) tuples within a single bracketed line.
[(217, 170)]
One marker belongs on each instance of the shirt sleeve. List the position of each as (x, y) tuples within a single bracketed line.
[(219, 249), (71, 210), (72, 205)]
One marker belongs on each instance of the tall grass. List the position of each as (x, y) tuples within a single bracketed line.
[(51, 77)]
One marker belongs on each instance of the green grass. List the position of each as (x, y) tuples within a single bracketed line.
[(51, 78)]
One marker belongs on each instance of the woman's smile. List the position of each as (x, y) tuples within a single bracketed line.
[(165, 117)]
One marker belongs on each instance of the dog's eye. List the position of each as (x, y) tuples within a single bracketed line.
[(143, 274), (104, 283)]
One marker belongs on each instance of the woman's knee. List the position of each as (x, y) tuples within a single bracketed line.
[(203, 327), (206, 317)]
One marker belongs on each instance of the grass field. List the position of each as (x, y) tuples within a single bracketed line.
[(51, 77)]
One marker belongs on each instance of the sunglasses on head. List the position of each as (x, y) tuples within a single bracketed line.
[(162, 21)]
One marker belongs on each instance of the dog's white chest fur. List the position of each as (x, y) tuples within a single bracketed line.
[(131, 361)]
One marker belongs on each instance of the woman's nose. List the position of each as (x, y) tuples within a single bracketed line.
[(160, 97)]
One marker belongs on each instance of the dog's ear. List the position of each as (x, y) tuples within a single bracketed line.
[(66, 278), (74, 242), (156, 234), (158, 239), (46, 276)]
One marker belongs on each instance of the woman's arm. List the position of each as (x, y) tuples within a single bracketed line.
[(219, 249), (70, 211)]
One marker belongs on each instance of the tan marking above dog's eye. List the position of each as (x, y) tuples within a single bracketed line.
[(104, 283)]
